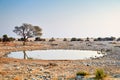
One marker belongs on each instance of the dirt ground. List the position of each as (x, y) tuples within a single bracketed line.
[(21, 69)]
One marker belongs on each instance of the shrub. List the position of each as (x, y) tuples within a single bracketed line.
[(82, 73), (74, 39), (99, 74), (0, 39), (118, 39), (22, 39), (79, 39), (87, 39), (39, 39), (52, 39), (65, 39), (11, 39)]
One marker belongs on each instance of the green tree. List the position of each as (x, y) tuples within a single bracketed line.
[(5, 38), (27, 31)]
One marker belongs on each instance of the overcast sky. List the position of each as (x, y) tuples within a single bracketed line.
[(62, 18)]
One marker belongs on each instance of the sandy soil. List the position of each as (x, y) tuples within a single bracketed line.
[(17, 69)]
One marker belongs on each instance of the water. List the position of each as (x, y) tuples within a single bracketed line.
[(55, 54)]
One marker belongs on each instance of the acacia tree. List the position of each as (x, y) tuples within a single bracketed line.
[(27, 31)]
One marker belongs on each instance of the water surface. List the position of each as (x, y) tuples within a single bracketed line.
[(55, 54)]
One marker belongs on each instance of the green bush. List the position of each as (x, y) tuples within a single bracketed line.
[(52, 39), (65, 39), (0, 39), (79, 39), (39, 39), (82, 73), (99, 74), (73, 39), (11, 39)]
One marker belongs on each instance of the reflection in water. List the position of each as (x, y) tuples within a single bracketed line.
[(25, 55), (55, 54)]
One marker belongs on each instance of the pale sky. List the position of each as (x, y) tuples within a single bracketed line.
[(62, 18)]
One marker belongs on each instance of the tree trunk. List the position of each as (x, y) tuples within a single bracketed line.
[(24, 42)]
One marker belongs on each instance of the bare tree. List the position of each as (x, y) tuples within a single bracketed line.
[(27, 31)]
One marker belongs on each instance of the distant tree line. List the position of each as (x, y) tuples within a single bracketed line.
[(105, 39), (94, 39), (5, 38), (76, 39)]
